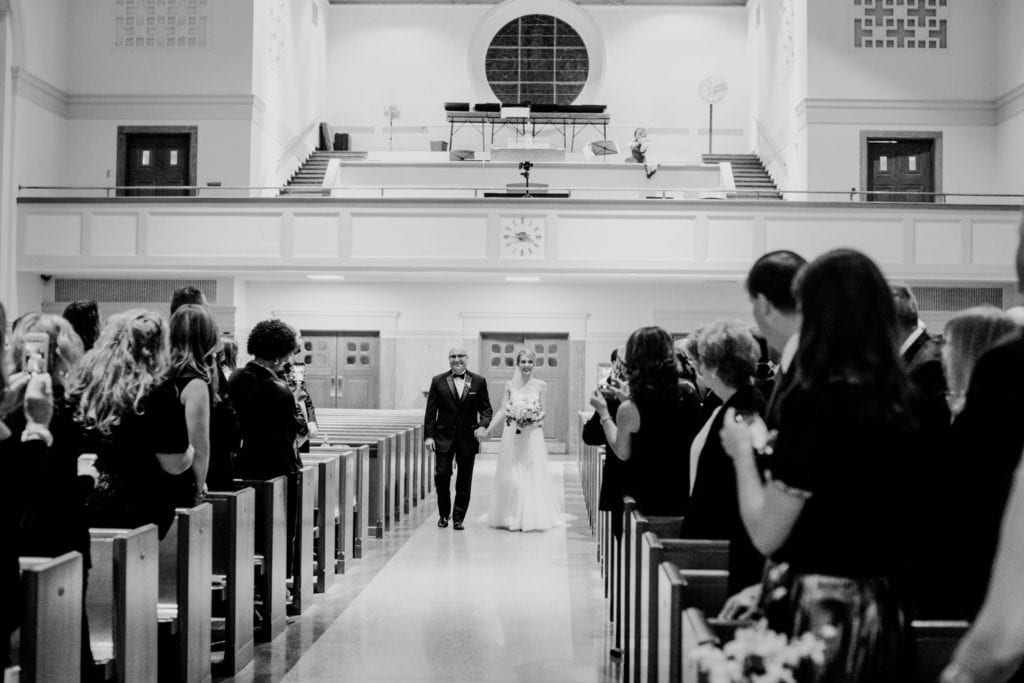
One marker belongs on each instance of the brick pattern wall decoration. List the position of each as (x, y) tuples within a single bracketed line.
[(277, 27), (901, 24), (538, 59), (787, 39), (160, 23)]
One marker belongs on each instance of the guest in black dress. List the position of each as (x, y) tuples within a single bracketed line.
[(128, 416), (832, 516), (193, 378), (655, 423), (614, 472), (267, 414), (726, 361)]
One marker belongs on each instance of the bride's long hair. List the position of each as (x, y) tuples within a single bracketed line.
[(517, 375)]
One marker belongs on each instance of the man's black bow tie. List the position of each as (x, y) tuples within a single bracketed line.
[(462, 376)]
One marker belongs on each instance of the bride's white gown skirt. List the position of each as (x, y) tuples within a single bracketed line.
[(524, 498)]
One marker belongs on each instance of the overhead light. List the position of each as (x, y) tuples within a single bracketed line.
[(522, 278), (326, 276)]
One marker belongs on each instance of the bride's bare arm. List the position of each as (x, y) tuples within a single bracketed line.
[(543, 400)]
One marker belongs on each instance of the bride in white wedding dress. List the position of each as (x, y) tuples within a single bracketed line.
[(523, 498)]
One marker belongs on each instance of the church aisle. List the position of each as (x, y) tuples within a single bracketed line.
[(478, 605)]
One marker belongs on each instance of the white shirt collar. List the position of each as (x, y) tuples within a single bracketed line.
[(789, 352), (909, 341)]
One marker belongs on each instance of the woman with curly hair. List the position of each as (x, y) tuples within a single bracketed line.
[(268, 414), (655, 423), (127, 416)]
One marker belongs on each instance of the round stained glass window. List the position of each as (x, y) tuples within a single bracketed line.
[(538, 59)]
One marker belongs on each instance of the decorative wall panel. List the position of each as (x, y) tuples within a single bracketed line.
[(730, 239), (901, 24), (993, 243), (53, 234), (213, 235), (881, 239), (419, 237), (316, 236), (160, 23), (626, 238), (114, 234), (937, 242)]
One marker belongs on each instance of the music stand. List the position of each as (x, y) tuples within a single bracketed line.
[(604, 148)]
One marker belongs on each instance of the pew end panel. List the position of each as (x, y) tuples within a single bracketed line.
[(122, 601), (51, 615), (303, 572), (234, 546), (934, 645), (271, 520)]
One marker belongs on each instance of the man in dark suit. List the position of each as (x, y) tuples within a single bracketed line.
[(458, 414), (922, 357)]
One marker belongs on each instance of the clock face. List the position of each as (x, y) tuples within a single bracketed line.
[(522, 237)]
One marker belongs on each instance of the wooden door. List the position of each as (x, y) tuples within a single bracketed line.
[(498, 363), (342, 368), (157, 159), (901, 166), (320, 354)]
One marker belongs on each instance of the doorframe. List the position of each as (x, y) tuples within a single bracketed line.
[(122, 149), (320, 331), (934, 135)]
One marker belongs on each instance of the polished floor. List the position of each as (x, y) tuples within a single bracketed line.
[(429, 604)]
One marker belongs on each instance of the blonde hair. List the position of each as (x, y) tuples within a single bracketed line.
[(65, 345), (128, 361), (969, 334), (525, 352)]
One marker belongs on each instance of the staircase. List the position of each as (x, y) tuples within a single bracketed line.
[(309, 178), (752, 179)]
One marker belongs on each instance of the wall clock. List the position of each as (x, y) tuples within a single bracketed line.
[(522, 237)]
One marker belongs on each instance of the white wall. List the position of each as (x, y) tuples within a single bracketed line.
[(46, 45), (1008, 16), (41, 144), (289, 67), (1009, 48), (430, 314), (416, 57), (776, 33)]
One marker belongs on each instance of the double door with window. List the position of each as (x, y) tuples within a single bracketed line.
[(342, 368), (498, 362)]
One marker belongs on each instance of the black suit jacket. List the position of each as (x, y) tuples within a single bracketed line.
[(451, 421), (987, 440), (713, 510), (923, 361)]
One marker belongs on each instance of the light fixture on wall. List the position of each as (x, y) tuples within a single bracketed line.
[(392, 112), (522, 278), (325, 276), (712, 90)]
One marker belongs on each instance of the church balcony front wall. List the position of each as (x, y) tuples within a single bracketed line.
[(704, 239)]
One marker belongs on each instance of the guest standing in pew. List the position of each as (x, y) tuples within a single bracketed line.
[(770, 288), (982, 488), (123, 408), (188, 294), (726, 361), (192, 377), (832, 515), (686, 355), (615, 474), (656, 422), (54, 482), (267, 415), (456, 419), (84, 317)]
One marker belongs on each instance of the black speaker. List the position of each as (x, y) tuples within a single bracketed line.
[(341, 142)]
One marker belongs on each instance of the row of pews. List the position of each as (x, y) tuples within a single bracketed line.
[(664, 592), (157, 607)]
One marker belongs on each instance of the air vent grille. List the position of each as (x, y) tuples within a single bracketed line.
[(127, 291), (956, 298)]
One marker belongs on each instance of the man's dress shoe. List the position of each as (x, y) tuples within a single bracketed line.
[(457, 525), (442, 522)]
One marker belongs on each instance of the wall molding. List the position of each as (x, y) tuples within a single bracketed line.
[(1009, 104), (35, 89), (896, 112), (385, 322), (575, 324)]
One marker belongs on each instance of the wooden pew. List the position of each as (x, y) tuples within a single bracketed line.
[(639, 525), (121, 602), (622, 591), (326, 515), (271, 516), (303, 573), (50, 636), (184, 604), (234, 546), (375, 475), (345, 501), (705, 568), (356, 484), (934, 644)]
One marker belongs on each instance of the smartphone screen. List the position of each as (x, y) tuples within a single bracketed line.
[(35, 352)]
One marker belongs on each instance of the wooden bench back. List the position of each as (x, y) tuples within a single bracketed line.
[(50, 637), (234, 546)]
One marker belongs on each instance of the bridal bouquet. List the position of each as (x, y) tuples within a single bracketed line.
[(522, 411), (758, 655)]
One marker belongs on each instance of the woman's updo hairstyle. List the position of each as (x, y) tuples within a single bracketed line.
[(525, 352), (728, 348)]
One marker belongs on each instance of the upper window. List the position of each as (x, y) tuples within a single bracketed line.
[(537, 59)]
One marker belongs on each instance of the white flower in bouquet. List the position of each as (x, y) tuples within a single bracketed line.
[(522, 411), (758, 655)]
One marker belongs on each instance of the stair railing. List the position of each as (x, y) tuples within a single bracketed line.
[(776, 152)]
